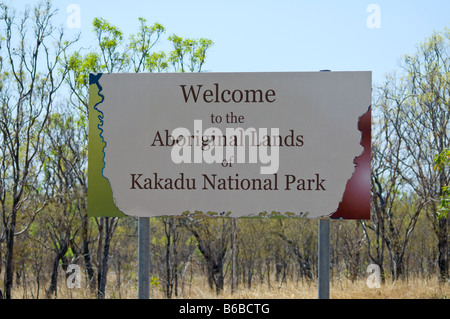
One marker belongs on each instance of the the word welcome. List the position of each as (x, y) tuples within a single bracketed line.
[(217, 95)]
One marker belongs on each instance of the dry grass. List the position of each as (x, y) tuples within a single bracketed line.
[(411, 289), (339, 289), (342, 289)]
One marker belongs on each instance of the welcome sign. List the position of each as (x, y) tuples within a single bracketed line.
[(230, 144)]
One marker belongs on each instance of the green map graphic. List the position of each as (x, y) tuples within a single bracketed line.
[(100, 198)]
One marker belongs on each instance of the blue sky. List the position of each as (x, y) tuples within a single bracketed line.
[(278, 35)]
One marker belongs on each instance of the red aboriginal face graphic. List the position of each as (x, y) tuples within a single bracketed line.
[(355, 202)]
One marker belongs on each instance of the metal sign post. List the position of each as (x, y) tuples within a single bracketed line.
[(324, 254), (144, 258), (324, 258)]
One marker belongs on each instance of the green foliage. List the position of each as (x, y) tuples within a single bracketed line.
[(155, 281), (81, 66), (442, 162), (118, 55), (110, 39), (188, 53), (141, 45)]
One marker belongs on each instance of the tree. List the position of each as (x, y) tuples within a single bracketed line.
[(142, 58), (61, 158), (413, 127), (172, 247), (442, 162), (351, 241), (213, 238), (391, 225), (31, 78), (298, 236), (188, 53), (424, 128)]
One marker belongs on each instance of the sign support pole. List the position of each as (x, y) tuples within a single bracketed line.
[(324, 258), (144, 257), (324, 254)]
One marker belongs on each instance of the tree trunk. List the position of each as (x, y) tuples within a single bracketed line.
[(9, 271), (103, 271), (90, 277), (443, 248), (218, 275), (214, 258), (61, 251), (233, 256), (169, 279), (175, 261), (110, 225)]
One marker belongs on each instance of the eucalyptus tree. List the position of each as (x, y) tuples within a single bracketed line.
[(31, 49), (62, 158), (424, 127), (413, 128), (213, 237)]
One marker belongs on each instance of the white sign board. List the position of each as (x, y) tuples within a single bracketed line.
[(234, 144)]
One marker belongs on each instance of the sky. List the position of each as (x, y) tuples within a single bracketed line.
[(274, 35)]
